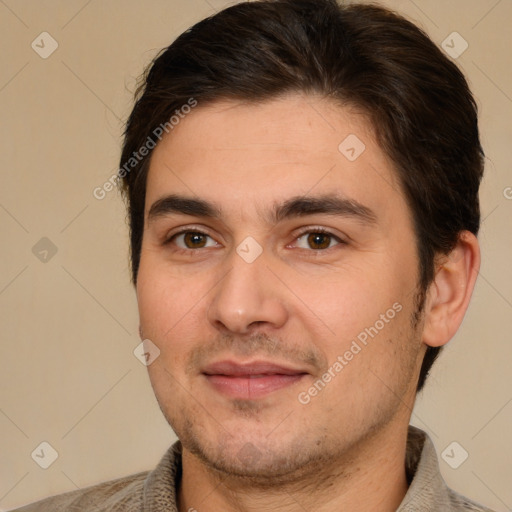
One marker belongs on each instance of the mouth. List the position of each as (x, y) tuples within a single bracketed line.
[(251, 380)]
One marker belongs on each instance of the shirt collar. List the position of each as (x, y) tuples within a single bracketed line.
[(427, 489)]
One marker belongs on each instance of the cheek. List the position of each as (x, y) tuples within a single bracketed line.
[(163, 300), (172, 312), (348, 300)]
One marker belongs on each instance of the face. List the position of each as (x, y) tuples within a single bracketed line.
[(277, 278)]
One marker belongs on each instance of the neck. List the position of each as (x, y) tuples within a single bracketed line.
[(371, 477)]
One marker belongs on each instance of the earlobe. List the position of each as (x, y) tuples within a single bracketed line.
[(449, 294)]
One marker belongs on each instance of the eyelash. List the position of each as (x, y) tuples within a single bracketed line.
[(309, 230)]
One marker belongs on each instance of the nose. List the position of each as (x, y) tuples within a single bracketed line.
[(247, 298)]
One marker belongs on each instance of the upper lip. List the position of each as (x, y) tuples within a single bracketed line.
[(235, 369)]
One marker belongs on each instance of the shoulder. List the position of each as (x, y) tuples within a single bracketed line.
[(122, 494), (141, 491), (428, 490), (460, 503)]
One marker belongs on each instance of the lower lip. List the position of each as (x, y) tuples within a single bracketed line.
[(250, 388)]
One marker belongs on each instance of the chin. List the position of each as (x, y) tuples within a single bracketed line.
[(254, 456)]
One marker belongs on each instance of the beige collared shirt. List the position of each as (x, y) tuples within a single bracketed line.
[(155, 491)]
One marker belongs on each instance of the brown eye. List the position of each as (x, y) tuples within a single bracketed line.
[(189, 240), (319, 240), (194, 240)]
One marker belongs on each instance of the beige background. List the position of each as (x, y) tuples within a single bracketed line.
[(69, 326)]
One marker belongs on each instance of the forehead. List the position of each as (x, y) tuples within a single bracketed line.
[(240, 153)]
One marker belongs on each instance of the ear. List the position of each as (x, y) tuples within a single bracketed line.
[(449, 294)]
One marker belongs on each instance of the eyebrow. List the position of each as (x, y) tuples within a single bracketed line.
[(298, 206)]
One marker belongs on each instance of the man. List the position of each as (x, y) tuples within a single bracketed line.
[(302, 183)]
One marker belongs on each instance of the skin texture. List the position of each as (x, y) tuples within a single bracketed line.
[(296, 305)]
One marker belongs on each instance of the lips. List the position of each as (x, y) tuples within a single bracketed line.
[(250, 380), (230, 368)]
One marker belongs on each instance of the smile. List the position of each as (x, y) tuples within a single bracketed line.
[(251, 380)]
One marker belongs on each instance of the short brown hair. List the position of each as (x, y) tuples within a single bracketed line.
[(418, 101)]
